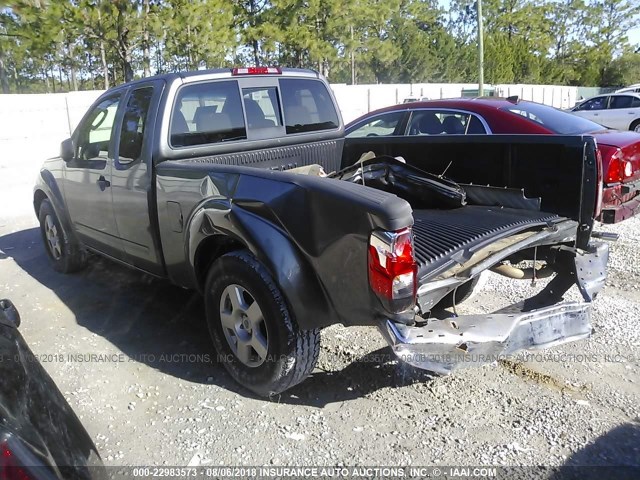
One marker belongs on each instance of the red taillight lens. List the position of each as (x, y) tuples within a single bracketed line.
[(257, 71), (619, 169), (393, 269), (10, 468)]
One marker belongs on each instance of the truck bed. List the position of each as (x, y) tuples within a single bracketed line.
[(442, 235)]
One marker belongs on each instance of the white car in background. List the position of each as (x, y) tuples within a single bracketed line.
[(619, 111), (635, 88)]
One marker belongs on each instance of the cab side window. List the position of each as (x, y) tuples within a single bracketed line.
[(96, 131), (134, 122)]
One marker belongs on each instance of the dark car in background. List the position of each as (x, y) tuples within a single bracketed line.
[(619, 150), (40, 435)]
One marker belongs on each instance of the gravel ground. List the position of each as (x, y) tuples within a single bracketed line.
[(156, 396)]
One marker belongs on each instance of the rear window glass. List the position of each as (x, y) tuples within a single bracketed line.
[(554, 119), (307, 106), (261, 107), (207, 113)]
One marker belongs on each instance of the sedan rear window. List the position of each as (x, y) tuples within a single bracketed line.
[(307, 106), (555, 120)]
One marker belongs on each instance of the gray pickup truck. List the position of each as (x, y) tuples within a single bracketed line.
[(215, 180)]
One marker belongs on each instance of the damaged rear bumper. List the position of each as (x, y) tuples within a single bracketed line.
[(542, 321), (446, 345)]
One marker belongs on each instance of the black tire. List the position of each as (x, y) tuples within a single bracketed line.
[(291, 353), (634, 125), (462, 293), (66, 256)]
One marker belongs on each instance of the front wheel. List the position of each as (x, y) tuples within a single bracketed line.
[(635, 126), (257, 338), (65, 256)]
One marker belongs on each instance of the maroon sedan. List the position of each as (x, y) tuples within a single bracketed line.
[(620, 151)]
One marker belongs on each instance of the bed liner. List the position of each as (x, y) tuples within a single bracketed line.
[(442, 235)]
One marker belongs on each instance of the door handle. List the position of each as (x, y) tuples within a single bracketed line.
[(103, 183)]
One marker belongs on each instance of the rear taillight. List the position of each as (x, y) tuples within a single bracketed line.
[(393, 269), (10, 467), (619, 169), (257, 71)]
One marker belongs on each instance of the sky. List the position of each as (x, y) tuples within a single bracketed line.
[(634, 36)]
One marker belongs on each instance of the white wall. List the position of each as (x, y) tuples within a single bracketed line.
[(31, 129), (554, 95), (356, 100), (41, 121)]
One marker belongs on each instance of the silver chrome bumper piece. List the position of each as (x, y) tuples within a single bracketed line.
[(446, 345)]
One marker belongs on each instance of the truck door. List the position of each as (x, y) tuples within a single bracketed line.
[(134, 204), (87, 179)]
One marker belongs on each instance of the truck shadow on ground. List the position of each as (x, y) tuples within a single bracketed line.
[(161, 325)]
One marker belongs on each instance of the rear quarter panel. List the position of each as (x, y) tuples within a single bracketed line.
[(311, 233)]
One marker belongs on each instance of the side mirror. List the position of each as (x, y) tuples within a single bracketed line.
[(67, 151), (9, 314)]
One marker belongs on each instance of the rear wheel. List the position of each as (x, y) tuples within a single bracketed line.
[(257, 339), (65, 256), (635, 126)]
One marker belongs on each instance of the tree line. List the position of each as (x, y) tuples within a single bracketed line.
[(62, 45)]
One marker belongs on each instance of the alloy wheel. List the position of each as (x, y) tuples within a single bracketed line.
[(53, 238), (243, 325)]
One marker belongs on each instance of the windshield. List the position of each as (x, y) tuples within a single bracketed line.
[(554, 119)]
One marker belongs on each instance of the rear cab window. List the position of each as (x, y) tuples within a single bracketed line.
[(307, 105), (262, 107), (205, 113), (245, 108)]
